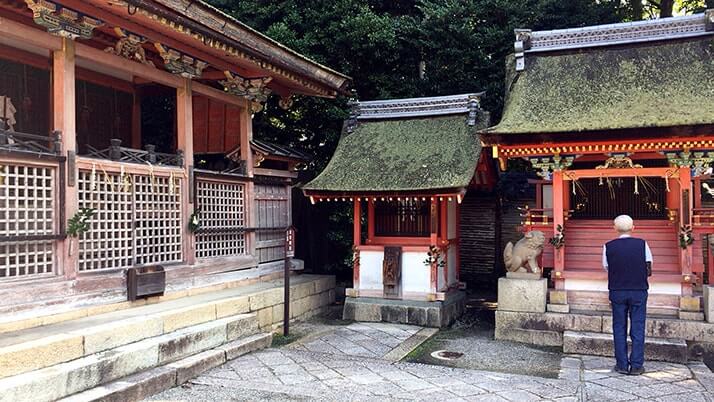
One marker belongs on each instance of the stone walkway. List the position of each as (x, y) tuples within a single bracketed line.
[(346, 366), (374, 340)]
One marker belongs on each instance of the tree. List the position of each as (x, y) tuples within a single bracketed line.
[(400, 48)]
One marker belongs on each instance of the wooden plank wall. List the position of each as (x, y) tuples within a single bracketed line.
[(216, 126), (479, 238), (272, 206)]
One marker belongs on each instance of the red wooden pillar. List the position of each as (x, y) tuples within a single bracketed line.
[(357, 235), (184, 141), (246, 154), (686, 205), (370, 220), (558, 219), (63, 113)]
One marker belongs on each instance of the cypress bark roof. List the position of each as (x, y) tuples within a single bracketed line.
[(660, 84), (408, 154)]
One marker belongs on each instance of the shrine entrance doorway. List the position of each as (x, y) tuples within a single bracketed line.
[(606, 198)]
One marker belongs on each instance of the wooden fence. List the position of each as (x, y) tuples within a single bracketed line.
[(272, 203)]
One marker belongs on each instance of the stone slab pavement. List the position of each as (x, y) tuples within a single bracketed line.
[(312, 371)]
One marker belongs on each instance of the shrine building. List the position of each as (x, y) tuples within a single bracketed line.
[(615, 119), (140, 111), (408, 166)]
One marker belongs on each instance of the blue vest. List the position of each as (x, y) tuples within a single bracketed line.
[(626, 265)]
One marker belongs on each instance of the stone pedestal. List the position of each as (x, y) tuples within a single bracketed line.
[(708, 302), (522, 295), (436, 314), (690, 308)]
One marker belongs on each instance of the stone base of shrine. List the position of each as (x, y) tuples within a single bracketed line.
[(589, 328), (436, 314)]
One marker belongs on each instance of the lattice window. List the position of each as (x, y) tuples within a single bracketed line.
[(222, 219), (158, 220), (135, 223), (108, 243), (26, 209)]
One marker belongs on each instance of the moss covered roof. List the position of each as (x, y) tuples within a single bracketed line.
[(663, 84), (396, 155)]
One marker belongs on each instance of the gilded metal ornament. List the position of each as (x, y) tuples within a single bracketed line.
[(618, 161)]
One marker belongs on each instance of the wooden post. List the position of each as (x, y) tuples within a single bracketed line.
[(63, 113), (184, 141), (558, 219), (246, 154), (685, 255), (136, 119), (434, 216), (356, 238), (370, 220)]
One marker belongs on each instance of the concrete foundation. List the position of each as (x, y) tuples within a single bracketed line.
[(436, 314)]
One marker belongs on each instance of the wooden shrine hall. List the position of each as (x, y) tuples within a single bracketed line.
[(138, 113), (407, 165), (616, 119)]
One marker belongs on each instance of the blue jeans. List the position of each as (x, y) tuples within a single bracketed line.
[(632, 303)]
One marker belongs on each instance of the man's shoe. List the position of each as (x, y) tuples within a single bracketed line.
[(620, 370), (637, 370)]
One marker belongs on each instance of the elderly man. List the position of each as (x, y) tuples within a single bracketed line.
[(628, 261)]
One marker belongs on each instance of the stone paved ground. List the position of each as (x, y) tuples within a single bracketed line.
[(309, 373), (360, 339)]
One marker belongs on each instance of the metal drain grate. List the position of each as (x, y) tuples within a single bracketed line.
[(446, 355)]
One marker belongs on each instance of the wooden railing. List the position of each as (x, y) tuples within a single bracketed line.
[(13, 141), (536, 216), (703, 217), (116, 152)]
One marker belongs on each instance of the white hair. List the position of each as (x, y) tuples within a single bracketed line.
[(624, 223)]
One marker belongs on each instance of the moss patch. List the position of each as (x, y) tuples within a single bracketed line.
[(656, 85), (402, 155)]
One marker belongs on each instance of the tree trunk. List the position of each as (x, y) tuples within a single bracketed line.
[(666, 8), (637, 10)]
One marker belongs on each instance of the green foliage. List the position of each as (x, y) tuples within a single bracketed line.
[(382, 45), (79, 223)]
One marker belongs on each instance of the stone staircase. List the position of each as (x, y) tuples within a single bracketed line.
[(129, 354), (667, 338), (599, 344)]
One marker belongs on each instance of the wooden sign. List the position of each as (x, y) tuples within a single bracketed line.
[(290, 242)]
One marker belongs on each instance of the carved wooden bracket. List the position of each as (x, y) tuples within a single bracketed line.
[(546, 165), (62, 21), (286, 102), (180, 64), (129, 46), (698, 161), (618, 161), (254, 89)]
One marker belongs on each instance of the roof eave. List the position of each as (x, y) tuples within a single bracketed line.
[(251, 42)]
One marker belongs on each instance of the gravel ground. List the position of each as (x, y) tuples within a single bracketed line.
[(473, 336)]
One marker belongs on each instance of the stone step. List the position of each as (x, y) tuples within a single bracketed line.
[(593, 343), (39, 347), (60, 380), (138, 386)]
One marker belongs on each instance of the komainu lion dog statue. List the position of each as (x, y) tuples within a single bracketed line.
[(524, 255)]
